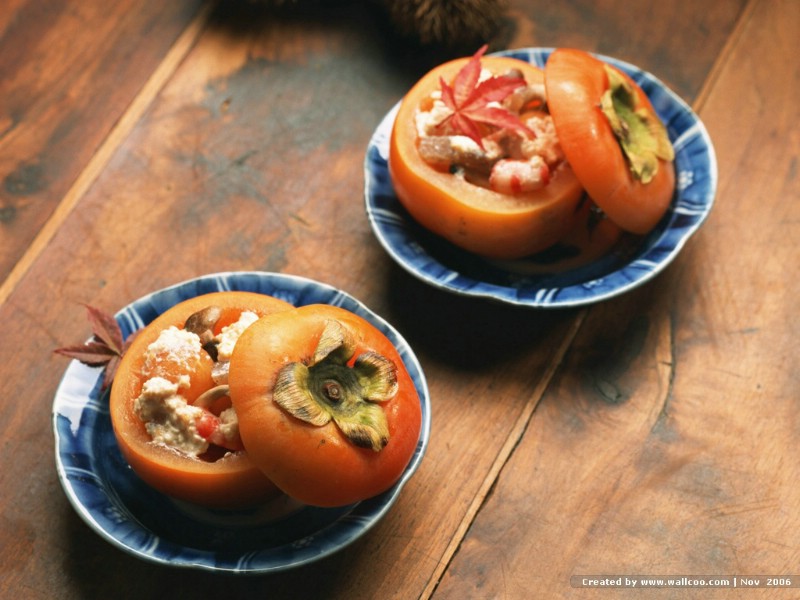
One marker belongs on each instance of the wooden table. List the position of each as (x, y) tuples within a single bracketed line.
[(655, 434)]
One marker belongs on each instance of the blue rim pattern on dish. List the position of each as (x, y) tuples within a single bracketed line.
[(442, 265), (122, 509)]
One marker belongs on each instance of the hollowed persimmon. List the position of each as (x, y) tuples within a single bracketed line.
[(227, 480), (468, 212)]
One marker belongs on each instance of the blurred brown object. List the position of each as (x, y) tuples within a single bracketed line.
[(447, 22)]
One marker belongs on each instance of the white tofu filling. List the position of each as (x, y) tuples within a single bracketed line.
[(168, 417)]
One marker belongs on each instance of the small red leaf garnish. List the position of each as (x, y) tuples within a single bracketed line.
[(468, 100), (104, 349), (109, 372), (105, 327), (92, 353)]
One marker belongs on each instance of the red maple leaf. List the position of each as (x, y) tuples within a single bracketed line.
[(104, 349), (469, 100)]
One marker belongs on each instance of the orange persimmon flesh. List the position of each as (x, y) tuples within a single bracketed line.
[(472, 217), (229, 482)]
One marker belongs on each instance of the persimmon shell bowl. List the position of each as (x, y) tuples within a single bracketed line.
[(472, 217), (228, 482)]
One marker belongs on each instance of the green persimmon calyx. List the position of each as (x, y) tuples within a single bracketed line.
[(329, 388), (641, 134)]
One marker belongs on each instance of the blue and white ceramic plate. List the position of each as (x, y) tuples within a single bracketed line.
[(132, 516), (445, 266)]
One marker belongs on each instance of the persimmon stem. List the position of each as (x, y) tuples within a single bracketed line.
[(328, 388), (332, 391)]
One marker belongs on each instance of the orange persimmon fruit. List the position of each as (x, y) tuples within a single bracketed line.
[(474, 217), (326, 406), (635, 186), (230, 481)]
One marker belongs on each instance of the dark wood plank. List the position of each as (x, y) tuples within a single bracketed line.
[(68, 71), (667, 444), (678, 41)]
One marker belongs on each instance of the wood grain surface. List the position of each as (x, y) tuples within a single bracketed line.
[(661, 445), (69, 73), (142, 144)]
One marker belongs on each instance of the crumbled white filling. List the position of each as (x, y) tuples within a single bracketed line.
[(168, 418), (230, 334), (219, 372), (427, 121), (545, 141), (227, 339), (173, 345), (229, 424), (464, 144)]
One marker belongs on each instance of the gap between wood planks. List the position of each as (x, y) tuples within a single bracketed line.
[(106, 150), (513, 438), (525, 416)]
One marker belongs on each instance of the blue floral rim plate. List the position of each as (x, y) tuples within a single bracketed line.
[(122, 509), (442, 265)]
